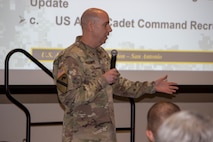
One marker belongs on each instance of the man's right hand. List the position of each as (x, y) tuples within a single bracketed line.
[(111, 76)]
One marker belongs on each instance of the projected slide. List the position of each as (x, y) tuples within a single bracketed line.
[(149, 35)]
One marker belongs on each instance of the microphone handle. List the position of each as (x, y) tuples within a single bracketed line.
[(113, 61)]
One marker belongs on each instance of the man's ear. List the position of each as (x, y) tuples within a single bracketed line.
[(150, 135), (90, 26)]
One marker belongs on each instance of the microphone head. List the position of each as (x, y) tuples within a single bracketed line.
[(114, 52)]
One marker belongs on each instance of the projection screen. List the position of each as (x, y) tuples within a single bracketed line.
[(153, 38)]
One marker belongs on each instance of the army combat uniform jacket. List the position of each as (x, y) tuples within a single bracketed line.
[(86, 96)]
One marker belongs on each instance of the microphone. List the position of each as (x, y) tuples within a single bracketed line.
[(113, 58)]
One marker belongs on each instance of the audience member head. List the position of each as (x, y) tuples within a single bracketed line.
[(186, 126), (157, 114)]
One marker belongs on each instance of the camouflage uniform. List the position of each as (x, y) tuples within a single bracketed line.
[(86, 95)]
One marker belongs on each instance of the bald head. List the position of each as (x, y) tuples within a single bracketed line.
[(91, 15), (95, 27)]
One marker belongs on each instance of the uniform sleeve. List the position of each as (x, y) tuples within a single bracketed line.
[(71, 84), (126, 88)]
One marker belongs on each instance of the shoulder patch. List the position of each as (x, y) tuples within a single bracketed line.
[(62, 80), (62, 83)]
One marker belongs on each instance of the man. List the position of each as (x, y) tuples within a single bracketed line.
[(157, 114), (86, 84), (186, 126)]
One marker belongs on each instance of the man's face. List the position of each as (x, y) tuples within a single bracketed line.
[(101, 28)]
